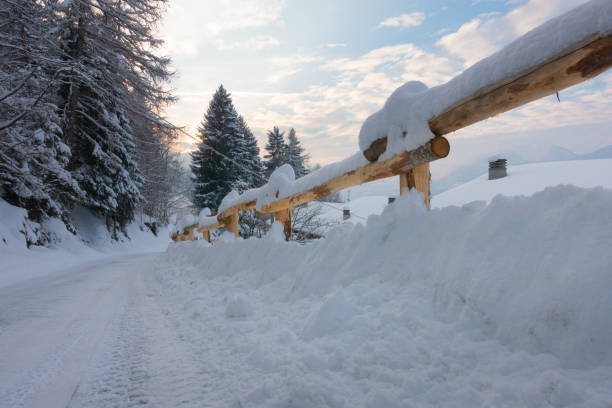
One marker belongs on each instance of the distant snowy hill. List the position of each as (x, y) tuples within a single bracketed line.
[(525, 180), (528, 179), (524, 154), (462, 172)]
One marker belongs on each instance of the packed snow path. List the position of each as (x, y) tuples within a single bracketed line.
[(95, 336)]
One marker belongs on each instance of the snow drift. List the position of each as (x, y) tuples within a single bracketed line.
[(532, 273)]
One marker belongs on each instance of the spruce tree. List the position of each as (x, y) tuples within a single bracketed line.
[(114, 73), (219, 132), (296, 156), (277, 151), (253, 175), (33, 156)]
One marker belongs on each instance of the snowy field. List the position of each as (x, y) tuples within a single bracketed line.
[(528, 179), (502, 305)]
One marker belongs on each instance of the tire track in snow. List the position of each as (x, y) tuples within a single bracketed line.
[(77, 340), (146, 363)]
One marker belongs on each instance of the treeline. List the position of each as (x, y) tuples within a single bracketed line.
[(227, 156), (227, 159), (82, 94)]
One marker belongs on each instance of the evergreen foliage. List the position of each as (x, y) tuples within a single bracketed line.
[(296, 156), (33, 156), (115, 72), (80, 86), (277, 151), (253, 174), (221, 137)]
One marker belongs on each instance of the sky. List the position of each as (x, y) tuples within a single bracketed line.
[(323, 66)]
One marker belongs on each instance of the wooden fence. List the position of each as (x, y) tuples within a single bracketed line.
[(575, 64)]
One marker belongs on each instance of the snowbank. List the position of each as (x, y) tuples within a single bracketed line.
[(14, 220), (404, 117), (506, 304), (93, 242)]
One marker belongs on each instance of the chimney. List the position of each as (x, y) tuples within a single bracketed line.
[(497, 168), (346, 213)]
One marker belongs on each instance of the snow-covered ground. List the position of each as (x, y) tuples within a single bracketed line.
[(499, 305), (525, 180), (528, 179), (501, 302), (360, 208), (89, 247), (502, 305), (505, 304)]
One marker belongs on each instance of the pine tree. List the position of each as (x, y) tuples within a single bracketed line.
[(277, 151), (33, 157), (253, 175), (109, 46), (219, 132), (296, 156)]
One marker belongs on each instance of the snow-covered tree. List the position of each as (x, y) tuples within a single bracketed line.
[(158, 165), (33, 157), (215, 162), (252, 172), (277, 151), (295, 155), (110, 48)]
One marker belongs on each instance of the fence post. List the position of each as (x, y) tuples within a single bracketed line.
[(231, 223), (418, 178), (285, 216)]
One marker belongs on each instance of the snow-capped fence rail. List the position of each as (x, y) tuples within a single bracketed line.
[(407, 133)]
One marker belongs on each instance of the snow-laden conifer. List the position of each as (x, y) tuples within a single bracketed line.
[(114, 73), (252, 172), (33, 156), (295, 155), (215, 162), (277, 151)]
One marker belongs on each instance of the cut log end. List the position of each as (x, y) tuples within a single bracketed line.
[(377, 148), (439, 147)]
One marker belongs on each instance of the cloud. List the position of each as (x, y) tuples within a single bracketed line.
[(403, 20), (487, 33), (328, 117), (345, 91), (335, 45), (188, 24), (286, 66), (255, 43)]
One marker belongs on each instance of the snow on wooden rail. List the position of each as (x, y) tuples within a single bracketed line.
[(563, 52)]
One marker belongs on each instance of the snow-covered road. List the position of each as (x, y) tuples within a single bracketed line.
[(93, 336)]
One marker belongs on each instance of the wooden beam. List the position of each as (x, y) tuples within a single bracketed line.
[(576, 64), (583, 61), (240, 207), (285, 217), (418, 178), (435, 149)]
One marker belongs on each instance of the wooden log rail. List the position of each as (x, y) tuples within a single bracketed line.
[(576, 64)]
